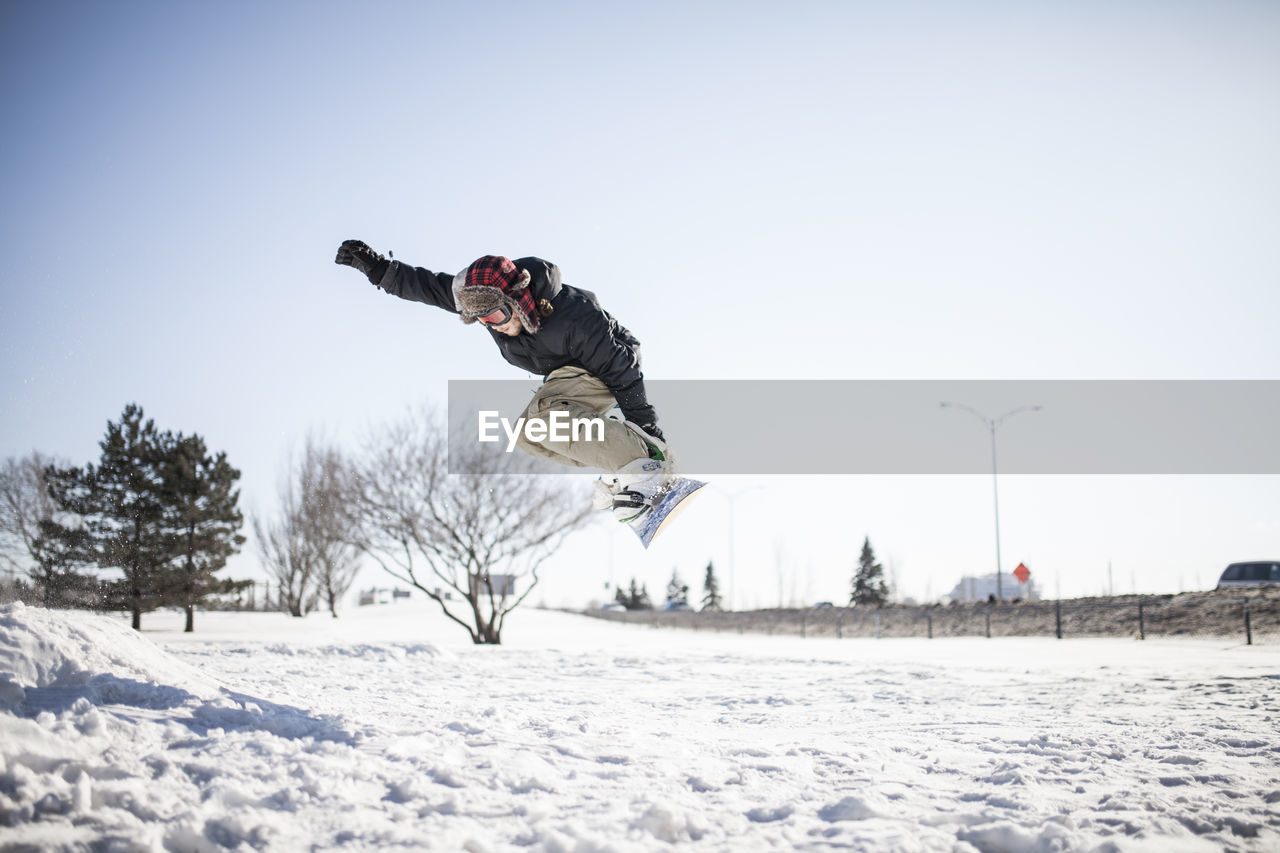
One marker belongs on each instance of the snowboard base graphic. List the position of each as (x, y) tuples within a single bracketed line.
[(669, 505)]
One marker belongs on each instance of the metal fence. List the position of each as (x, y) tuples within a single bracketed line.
[(1245, 615)]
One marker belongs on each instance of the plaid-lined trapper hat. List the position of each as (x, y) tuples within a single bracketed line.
[(492, 283)]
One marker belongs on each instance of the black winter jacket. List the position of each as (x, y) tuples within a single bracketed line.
[(578, 332)]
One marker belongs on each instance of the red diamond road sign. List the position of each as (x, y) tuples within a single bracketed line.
[(1022, 573)]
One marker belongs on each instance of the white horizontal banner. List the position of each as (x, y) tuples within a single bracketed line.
[(841, 427)]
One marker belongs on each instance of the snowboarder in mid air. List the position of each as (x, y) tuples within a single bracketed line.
[(590, 364)]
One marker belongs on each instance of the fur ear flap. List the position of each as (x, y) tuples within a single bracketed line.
[(521, 283), (476, 301)]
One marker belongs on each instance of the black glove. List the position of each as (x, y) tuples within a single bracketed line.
[(653, 430), (358, 255)]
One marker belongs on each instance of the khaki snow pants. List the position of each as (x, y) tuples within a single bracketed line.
[(579, 395)]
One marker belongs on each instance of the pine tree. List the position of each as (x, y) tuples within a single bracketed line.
[(711, 588), (158, 508), (204, 519), (677, 590), (119, 512), (24, 504), (637, 598), (869, 587), (65, 557)]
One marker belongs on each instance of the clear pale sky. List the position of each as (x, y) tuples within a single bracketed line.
[(757, 190)]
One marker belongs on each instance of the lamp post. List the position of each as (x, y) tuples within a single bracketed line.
[(732, 497), (609, 529), (994, 424)]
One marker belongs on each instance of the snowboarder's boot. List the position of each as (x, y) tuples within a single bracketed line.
[(645, 495), (635, 489), (607, 486)]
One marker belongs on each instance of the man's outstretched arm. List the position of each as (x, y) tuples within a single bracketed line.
[(413, 283)]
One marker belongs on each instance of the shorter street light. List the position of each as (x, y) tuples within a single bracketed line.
[(732, 497), (993, 424)]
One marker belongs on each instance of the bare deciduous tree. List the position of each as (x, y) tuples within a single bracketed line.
[(469, 532), (329, 524), (311, 549), (286, 552), (24, 503), (283, 549)]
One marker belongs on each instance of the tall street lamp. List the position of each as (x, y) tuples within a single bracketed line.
[(993, 424), (732, 497)]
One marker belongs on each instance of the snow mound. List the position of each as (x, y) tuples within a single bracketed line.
[(108, 740), (64, 665), (855, 808), (51, 653)]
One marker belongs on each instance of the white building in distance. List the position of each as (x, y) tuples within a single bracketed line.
[(984, 588)]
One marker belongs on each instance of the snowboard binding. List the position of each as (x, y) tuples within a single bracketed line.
[(645, 495)]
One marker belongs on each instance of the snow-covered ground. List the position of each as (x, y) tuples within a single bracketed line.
[(385, 729)]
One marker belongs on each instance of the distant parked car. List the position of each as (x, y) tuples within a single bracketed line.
[(613, 607), (821, 604), (676, 605), (1257, 573)]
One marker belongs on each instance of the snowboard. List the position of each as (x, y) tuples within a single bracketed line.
[(674, 499)]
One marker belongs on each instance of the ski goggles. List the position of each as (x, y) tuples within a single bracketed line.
[(497, 317)]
